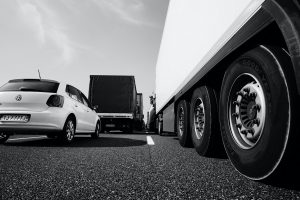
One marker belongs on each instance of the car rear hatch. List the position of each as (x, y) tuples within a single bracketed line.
[(26, 95)]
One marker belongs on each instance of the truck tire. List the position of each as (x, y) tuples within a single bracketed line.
[(3, 137), (182, 123), (204, 120), (256, 108)]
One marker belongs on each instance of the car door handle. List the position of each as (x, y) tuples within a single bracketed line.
[(76, 105)]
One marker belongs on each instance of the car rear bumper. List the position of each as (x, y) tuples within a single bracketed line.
[(50, 120)]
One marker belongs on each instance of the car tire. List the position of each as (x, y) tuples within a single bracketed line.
[(3, 137), (182, 123), (95, 134), (256, 109), (204, 120), (68, 132)]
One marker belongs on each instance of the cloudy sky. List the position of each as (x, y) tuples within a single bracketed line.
[(68, 40)]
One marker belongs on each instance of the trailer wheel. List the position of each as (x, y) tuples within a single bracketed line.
[(255, 111), (182, 123), (203, 120)]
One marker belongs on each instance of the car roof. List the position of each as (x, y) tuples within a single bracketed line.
[(32, 80)]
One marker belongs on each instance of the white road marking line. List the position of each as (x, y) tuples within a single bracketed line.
[(150, 140), (28, 138)]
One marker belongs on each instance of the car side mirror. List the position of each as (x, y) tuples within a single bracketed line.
[(95, 107)]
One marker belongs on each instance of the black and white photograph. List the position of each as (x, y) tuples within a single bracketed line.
[(149, 99)]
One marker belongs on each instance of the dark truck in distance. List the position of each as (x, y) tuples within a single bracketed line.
[(116, 98)]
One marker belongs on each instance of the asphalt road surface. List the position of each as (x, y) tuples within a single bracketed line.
[(122, 166)]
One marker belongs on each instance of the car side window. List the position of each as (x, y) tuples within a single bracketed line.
[(79, 97), (85, 100), (85, 103), (73, 93)]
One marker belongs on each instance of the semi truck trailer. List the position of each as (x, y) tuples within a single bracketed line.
[(228, 76), (116, 100)]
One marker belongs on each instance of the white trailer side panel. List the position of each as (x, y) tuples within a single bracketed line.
[(195, 30)]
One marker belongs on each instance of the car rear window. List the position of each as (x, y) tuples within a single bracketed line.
[(30, 86)]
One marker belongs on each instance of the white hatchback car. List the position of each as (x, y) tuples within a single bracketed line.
[(40, 106)]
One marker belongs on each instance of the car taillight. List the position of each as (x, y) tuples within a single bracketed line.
[(55, 101)]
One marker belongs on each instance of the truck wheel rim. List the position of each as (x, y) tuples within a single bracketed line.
[(181, 121), (247, 111), (70, 130), (199, 118)]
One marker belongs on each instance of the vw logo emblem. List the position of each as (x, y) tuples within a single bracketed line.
[(19, 97)]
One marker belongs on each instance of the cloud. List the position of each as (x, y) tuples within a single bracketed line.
[(47, 26), (33, 18), (130, 11), (63, 43)]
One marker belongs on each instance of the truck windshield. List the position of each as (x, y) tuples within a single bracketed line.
[(30, 85)]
